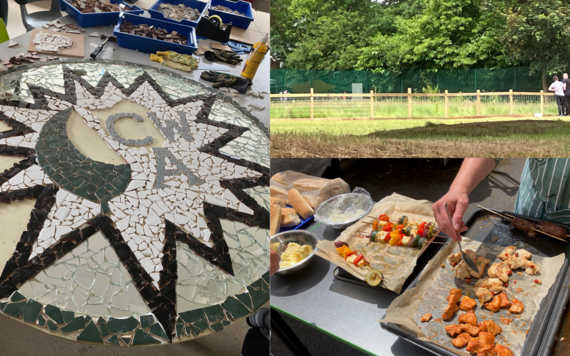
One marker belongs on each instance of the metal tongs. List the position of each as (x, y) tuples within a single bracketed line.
[(465, 257)]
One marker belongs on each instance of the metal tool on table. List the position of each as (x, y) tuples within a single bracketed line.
[(464, 256), (98, 50)]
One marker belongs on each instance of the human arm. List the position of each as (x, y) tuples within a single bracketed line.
[(551, 87), (472, 172)]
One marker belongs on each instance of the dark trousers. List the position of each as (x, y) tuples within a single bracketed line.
[(567, 106), (561, 102)]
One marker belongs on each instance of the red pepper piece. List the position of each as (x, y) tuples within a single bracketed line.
[(360, 257)]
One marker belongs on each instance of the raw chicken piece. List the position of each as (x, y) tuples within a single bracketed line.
[(491, 327), (425, 318), (483, 294), (524, 254), (505, 302), (517, 307), (461, 340), (516, 262), (501, 350), (481, 262), (531, 267), (468, 318), (472, 330), (454, 329), (467, 303), (494, 285), (495, 305), (507, 252), (462, 271), (500, 270), (471, 254), (454, 258), (493, 270), (484, 343), (449, 310)]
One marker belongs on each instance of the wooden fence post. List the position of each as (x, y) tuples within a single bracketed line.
[(372, 104), (478, 102), (511, 100), (446, 103), (312, 112), (409, 102), (542, 102)]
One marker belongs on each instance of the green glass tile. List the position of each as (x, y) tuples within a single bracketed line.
[(104, 329), (87, 319), (41, 321), (225, 323), (2, 305), (82, 192), (16, 297), (245, 299), (31, 311), (52, 326), (101, 320), (258, 297), (266, 277), (157, 330), (179, 330), (192, 316), (126, 340), (55, 314), (91, 333), (202, 324), (75, 325), (214, 313), (142, 338), (15, 309), (217, 327), (114, 340), (105, 206), (196, 331), (95, 179), (146, 321), (257, 284), (236, 308), (68, 316), (119, 326)]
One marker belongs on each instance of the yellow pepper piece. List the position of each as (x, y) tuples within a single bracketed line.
[(344, 250), (394, 240)]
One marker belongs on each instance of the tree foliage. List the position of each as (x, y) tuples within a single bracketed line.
[(397, 35)]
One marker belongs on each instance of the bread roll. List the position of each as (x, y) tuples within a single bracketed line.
[(304, 184), (312, 200), (288, 220), (285, 211), (300, 204), (280, 202), (278, 193), (275, 222), (280, 178)]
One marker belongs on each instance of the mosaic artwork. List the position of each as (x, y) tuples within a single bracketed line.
[(144, 199)]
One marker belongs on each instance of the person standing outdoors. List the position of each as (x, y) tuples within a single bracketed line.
[(566, 82), (558, 88)]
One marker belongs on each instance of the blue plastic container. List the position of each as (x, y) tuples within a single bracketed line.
[(150, 45), (200, 5), (301, 224), (236, 20), (99, 18)]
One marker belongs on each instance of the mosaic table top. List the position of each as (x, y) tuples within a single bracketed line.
[(136, 209)]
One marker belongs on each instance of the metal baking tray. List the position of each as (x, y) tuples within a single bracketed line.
[(426, 255), (485, 227)]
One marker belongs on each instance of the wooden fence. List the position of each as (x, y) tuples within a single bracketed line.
[(409, 97)]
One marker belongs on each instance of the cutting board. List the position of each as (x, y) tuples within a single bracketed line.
[(76, 50)]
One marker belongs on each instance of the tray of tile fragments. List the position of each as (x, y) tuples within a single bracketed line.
[(133, 204), (185, 12), (488, 237), (90, 13)]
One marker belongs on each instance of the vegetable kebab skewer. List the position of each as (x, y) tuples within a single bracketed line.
[(374, 276), (402, 233)]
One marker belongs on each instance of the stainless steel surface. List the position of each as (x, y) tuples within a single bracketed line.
[(342, 203), (464, 256), (113, 51), (301, 237)]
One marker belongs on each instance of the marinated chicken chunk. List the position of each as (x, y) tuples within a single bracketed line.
[(531, 268), (494, 305), (483, 294), (472, 330), (461, 340), (517, 307), (524, 254), (516, 262), (505, 302), (491, 327), (467, 303), (454, 296), (500, 270), (507, 252), (501, 350), (462, 271), (426, 317), (449, 310), (468, 318), (481, 262), (484, 343), (454, 258), (454, 329), (485, 288)]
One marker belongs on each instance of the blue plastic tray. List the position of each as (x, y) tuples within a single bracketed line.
[(200, 5), (98, 19), (303, 223), (236, 20), (150, 45)]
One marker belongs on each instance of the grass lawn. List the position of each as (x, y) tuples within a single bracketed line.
[(494, 137)]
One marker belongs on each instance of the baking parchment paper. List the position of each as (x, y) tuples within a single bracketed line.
[(395, 262), (435, 282)]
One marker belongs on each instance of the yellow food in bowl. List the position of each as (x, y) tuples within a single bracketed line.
[(294, 254)]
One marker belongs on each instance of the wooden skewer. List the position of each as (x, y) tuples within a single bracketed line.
[(510, 218)]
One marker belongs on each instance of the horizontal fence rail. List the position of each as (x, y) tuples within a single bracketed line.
[(411, 105)]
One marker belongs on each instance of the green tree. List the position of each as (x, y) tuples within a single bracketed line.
[(538, 34)]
